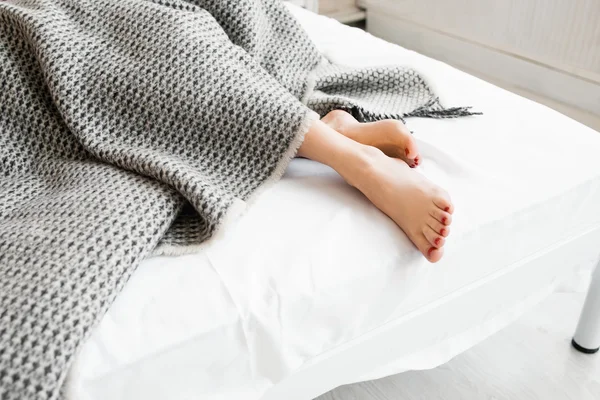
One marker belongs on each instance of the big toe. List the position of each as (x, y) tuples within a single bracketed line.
[(431, 253), (434, 255), (398, 142), (411, 151)]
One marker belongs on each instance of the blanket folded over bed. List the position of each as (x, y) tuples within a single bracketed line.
[(131, 124)]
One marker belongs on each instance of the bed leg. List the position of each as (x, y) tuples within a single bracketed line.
[(587, 335)]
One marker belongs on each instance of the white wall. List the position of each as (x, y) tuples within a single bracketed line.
[(548, 47), (312, 5), (561, 33)]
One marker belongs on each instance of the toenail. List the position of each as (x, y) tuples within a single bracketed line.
[(443, 232), (437, 241), (444, 220), (447, 209), (431, 249)]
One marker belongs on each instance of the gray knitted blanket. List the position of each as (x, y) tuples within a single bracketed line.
[(128, 126)]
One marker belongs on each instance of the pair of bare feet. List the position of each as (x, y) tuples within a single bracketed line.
[(381, 168)]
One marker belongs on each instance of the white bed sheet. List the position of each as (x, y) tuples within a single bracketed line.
[(312, 264)]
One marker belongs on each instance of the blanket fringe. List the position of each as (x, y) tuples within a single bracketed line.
[(433, 109)]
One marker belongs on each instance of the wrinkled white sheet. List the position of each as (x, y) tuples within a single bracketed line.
[(312, 264)]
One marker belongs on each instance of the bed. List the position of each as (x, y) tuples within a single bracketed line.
[(313, 287)]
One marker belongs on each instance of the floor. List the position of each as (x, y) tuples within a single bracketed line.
[(531, 359)]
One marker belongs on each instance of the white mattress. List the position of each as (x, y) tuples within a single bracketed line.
[(312, 264)]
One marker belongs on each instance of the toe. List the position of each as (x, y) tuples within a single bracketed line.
[(442, 201), (438, 227), (406, 140), (432, 254), (443, 217), (434, 238), (397, 141)]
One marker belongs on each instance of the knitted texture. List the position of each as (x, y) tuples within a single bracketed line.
[(131, 124)]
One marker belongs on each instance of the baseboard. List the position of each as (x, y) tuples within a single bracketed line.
[(486, 62)]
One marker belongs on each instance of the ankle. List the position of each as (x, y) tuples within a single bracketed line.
[(352, 160), (357, 165), (340, 121)]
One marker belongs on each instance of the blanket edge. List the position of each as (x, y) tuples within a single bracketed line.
[(239, 206)]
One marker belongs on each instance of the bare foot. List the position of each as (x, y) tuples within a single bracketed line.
[(422, 209), (390, 136)]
